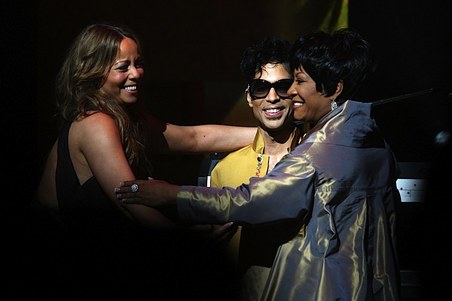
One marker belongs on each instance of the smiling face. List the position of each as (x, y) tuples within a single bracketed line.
[(126, 73), (309, 104), (272, 112)]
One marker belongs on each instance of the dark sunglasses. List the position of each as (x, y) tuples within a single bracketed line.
[(260, 88)]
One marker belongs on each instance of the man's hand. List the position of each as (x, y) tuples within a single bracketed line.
[(220, 234)]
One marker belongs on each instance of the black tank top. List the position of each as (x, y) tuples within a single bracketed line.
[(83, 207), (111, 257)]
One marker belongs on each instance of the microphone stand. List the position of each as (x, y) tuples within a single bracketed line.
[(402, 97)]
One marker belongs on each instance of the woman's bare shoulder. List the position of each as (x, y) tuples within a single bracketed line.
[(94, 126)]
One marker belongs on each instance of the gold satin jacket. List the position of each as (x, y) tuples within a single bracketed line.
[(340, 182)]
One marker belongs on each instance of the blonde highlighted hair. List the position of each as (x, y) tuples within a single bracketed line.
[(81, 76)]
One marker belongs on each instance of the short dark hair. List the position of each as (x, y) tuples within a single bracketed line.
[(268, 51), (330, 58)]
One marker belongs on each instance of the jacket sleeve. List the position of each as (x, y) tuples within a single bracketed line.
[(285, 193)]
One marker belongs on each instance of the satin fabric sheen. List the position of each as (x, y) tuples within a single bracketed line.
[(340, 182), (253, 247), (233, 170)]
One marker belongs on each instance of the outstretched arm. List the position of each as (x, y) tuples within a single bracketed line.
[(208, 137), (285, 193)]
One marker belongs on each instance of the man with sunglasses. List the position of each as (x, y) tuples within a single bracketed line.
[(266, 68)]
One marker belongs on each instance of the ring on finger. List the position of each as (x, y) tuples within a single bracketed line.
[(134, 187)]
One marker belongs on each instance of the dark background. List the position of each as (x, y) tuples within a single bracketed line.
[(192, 51)]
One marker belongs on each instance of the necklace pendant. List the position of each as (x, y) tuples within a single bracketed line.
[(259, 165)]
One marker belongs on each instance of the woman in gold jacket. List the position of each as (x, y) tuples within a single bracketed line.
[(340, 183)]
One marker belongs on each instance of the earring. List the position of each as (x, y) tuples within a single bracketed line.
[(333, 105)]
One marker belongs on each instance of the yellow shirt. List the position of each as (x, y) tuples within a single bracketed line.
[(239, 166), (253, 247), (235, 169)]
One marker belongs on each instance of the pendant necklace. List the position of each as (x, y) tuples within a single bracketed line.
[(260, 159)]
